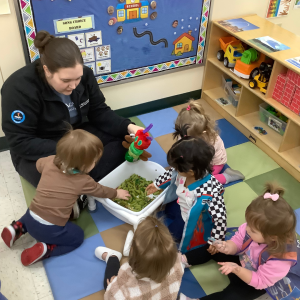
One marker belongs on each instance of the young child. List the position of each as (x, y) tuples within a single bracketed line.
[(201, 125), (262, 254), (154, 269), (199, 212), (64, 178)]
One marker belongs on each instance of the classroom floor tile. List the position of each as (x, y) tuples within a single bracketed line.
[(284, 179), (237, 197), (78, 273), (190, 286), (229, 134), (87, 223), (103, 219), (250, 160), (166, 141), (162, 120), (204, 273), (158, 154)]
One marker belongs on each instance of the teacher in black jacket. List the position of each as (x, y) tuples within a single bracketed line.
[(40, 99)]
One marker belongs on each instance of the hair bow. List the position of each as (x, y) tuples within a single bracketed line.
[(188, 108), (274, 197)]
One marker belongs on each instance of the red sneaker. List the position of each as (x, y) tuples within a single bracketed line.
[(33, 254), (11, 233)]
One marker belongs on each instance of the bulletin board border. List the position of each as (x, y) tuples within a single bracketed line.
[(27, 26)]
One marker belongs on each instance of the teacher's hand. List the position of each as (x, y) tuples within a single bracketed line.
[(133, 128), (128, 140)]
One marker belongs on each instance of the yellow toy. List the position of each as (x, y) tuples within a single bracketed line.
[(232, 50), (261, 80)]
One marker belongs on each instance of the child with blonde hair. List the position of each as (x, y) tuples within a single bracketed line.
[(201, 125), (153, 271), (64, 177), (262, 254)]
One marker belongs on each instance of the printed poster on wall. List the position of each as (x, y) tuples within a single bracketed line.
[(91, 65), (88, 54), (78, 39), (102, 52), (103, 66), (74, 24), (297, 4), (278, 8), (93, 38)]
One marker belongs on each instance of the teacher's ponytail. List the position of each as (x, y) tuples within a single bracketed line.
[(56, 53)]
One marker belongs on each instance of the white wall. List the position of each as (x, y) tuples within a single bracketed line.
[(141, 91)]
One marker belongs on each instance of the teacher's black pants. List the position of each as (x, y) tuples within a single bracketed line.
[(113, 156)]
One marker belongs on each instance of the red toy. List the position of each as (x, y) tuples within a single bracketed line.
[(295, 105), (279, 87), (293, 77), (288, 93), (142, 138), (141, 142)]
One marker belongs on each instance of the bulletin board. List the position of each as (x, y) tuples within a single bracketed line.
[(121, 39)]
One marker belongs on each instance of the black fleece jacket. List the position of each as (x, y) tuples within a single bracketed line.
[(43, 116)]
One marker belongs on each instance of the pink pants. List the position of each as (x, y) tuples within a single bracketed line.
[(216, 172)]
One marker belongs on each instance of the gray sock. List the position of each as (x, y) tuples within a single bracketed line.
[(233, 175)]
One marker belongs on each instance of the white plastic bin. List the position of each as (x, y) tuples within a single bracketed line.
[(148, 170)]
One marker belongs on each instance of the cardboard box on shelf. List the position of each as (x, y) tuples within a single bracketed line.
[(295, 105), (279, 87), (288, 93), (294, 77)]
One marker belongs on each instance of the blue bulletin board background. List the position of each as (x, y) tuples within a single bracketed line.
[(129, 56)]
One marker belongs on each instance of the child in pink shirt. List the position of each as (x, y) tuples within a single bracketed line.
[(201, 125), (261, 253)]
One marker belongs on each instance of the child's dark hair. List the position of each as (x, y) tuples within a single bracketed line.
[(191, 154), (274, 219)]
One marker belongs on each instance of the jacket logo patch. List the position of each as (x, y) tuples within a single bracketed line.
[(18, 116), (84, 103)]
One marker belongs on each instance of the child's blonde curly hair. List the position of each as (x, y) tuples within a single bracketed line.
[(200, 124)]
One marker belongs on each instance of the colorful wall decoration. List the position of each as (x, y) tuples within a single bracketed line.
[(278, 8), (122, 39)]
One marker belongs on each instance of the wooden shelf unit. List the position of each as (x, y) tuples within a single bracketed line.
[(285, 150)]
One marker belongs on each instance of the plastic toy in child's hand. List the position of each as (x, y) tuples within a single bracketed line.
[(141, 142), (214, 241)]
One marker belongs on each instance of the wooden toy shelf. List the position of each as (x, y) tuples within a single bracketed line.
[(285, 150)]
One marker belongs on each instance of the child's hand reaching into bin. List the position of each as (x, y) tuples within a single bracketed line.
[(151, 188), (122, 194)]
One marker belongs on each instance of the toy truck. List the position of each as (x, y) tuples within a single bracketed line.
[(261, 80), (232, 50), (248, 66)]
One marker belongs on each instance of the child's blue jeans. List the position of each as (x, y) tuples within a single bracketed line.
[(66, 238)]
